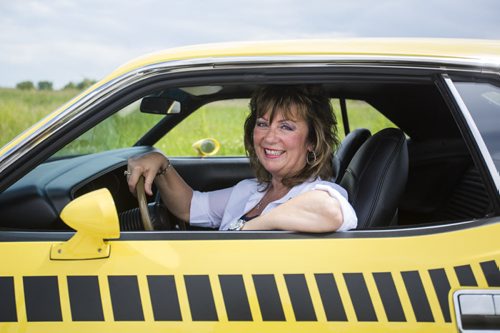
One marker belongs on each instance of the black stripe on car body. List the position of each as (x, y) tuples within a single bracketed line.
[(442, 288), (164, 298), (491, 273), (8, 312), (85, 298), (300, 297), (269, 298), (389, 296), (125, 298), (418, 297), (465, 276), (330, 297), (200, 297), (235, 298), (41, 296), (360, 297)]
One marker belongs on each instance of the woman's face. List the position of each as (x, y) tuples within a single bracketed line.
[(281, 146)]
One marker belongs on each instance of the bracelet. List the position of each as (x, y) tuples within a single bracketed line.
[(164, 170)]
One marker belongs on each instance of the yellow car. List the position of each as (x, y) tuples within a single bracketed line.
[(420, 159)]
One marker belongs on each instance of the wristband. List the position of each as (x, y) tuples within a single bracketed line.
[(164, 170)]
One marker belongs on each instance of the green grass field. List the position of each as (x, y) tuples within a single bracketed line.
[(221, 120), (20, 109)]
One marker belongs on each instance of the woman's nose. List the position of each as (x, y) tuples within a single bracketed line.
[(271, 135)]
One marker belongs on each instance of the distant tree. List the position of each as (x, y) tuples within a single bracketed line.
[(44, 85), (70, 85), (25, 85), (85, 84)]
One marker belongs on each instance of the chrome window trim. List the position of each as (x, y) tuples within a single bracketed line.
[(79, 108), (475, 132)]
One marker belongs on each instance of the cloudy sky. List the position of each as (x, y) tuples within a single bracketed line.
[(69, 40)]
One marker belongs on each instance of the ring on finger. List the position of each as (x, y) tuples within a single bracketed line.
[(127, 173)]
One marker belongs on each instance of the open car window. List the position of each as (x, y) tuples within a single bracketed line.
[(120, 130)]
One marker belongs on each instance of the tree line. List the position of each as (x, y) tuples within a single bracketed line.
[(48, 86)]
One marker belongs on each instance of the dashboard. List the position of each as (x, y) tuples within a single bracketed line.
[(36, 200)]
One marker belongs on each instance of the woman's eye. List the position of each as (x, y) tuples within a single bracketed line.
[(261, 124), (286, 127)]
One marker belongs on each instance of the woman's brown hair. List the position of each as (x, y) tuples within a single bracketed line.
[(312, 105)]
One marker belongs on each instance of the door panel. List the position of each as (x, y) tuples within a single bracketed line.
[(263, 281)]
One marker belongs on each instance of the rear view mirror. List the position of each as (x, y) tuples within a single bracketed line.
[(160, 105)]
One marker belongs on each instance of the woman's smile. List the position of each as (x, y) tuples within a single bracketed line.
[(273, 153)]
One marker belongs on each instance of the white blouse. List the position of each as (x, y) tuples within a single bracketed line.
[(217, 209)]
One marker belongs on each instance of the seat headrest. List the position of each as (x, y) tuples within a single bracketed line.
[(348, 147), (376, 177)]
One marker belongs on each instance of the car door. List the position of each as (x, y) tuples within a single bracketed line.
[(266, 281)]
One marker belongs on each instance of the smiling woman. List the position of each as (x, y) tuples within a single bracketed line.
[(290, 135)]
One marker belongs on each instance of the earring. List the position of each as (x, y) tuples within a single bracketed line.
[(308, 158)]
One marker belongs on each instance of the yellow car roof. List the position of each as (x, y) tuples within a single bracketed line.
[(487, 51)]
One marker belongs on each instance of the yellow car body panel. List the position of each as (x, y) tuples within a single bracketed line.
[(299, 261)]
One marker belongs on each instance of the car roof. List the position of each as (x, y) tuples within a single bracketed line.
[(486, 52)]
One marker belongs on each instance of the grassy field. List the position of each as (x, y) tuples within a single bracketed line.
[(20, 108), (221, 120)]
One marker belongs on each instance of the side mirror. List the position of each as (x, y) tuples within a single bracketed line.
[(160, 105), (206, 147), (95, 219)]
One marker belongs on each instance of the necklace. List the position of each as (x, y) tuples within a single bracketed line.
[(259, 204), (262, 200)]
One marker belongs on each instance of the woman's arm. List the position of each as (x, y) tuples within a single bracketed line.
[(312, 211), (155, 167)]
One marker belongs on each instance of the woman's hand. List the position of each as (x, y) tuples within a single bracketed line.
[(148, 165), (155, 167)]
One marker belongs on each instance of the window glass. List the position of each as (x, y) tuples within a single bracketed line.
[(360, 115), (121, 130), (483, 102), (221, 120)]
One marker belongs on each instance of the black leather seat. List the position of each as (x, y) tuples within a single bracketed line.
[(348, 147), (376, 178)]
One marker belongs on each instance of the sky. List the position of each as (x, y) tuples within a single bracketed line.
[(64, 41)]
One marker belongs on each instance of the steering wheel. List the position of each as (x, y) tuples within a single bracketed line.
[(143, 205), (155, 216)]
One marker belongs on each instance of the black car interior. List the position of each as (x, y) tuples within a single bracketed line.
[(420, 173), (376, 178), (346, 150)]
